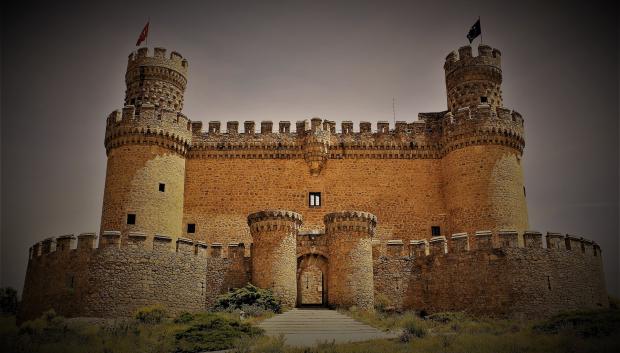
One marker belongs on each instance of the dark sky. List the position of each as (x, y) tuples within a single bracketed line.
[(63, 72)]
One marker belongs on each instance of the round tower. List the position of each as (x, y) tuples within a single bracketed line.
[(473, 80), (274, 252), (146, 144), (482, 147), (156, 80), (350, 277)]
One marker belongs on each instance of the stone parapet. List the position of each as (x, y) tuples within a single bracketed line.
[(63, 242), (555, 241), (357, 221), (484, 239), (268, 219), (148, 125), (438, 245), (532, 239), (459, 242), (508, 238), (419, 248)]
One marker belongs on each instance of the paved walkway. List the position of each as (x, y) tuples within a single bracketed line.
[(306, 327)]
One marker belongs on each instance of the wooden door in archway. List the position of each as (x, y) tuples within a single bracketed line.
[(312, 280)]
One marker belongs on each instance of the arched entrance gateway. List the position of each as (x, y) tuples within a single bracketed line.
[(295, 265), (312, 268), (312, 280)]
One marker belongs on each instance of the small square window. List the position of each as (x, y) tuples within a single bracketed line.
[(435, 231), (191, 228), (483, 99), (131, 218), (314, 199), (162, 187)]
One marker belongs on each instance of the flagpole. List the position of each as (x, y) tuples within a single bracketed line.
[(480, 30), (148, 21)]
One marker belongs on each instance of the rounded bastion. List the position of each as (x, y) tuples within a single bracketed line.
[(274, 257), (350, 275)]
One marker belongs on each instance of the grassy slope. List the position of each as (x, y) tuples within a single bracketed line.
[(594, 331)]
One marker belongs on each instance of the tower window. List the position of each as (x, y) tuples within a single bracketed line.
[(483, 99), (435, 231), (314, 199), (131, 218), (162, 187), (191, 227)]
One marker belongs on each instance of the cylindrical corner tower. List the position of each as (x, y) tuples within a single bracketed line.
[(473, 80), (350, 274), (482, 147), (274, 257), (146, 144)]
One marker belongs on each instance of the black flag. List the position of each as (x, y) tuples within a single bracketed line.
[(474, 32)]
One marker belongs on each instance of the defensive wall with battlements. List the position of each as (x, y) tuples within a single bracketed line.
[(499, 276), (108, 277)]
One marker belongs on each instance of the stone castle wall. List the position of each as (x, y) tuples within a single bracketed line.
[(75, 278), (497, 278)]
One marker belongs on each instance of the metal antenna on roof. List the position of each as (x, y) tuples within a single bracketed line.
[(394, 109)]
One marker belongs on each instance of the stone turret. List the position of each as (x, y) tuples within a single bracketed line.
[(473, 80), (350, 277), (274, 258), (146, 144), (157, 80), (482, 145)]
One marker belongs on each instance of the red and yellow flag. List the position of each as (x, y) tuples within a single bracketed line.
[(143, 34)]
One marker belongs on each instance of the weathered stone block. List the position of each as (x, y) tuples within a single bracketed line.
[(555, 241), (459, 242), (438, 245), (395, 247), (419, 248), (532, 239), (110, 239), (508, 239), (484, 239)]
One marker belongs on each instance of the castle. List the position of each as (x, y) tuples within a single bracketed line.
[(428, 215)]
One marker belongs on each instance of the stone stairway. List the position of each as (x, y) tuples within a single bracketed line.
[(306, 327)]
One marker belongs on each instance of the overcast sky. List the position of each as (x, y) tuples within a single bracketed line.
[(63, 71)]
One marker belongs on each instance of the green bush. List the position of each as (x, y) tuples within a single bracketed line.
[(593, 323), (151, 314), (447, 317), (412, 327), (183, 318), (8, 301), (248, 296), (212, 331), (383, 303), (48, 328)]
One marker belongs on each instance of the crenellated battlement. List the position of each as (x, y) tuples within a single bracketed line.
[(158, 58), (431, 136), (148, 125), (70, 245), (463, 57), (358, 221), (484, 241), (272, 220), (484, 124)]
